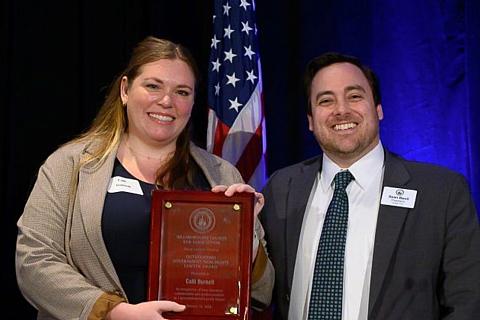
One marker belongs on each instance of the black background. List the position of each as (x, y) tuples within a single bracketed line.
[(59, 57)]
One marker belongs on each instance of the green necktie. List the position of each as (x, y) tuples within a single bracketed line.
[(327, 285)]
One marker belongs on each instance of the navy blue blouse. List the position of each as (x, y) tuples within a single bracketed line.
[(125, 229)]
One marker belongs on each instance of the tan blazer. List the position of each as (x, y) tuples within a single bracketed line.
[(62, 263)]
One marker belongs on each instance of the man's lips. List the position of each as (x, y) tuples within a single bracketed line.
[(344, 126)]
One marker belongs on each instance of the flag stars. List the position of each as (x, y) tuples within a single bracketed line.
[(232, 79), (251, 76), (216, 65), (234, 104), (226, 9), (228, 32), (215, 41), (229, 55), (249, 52), (246, 28), (244, 4)]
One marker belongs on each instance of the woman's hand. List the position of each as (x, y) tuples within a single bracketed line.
[(242, 187), (151, 310)]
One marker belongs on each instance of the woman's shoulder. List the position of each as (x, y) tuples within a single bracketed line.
[(201, 154), (72, 149), (69, 154), (214, 167)]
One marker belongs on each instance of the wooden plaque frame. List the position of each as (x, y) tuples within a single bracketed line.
[(201, 253)]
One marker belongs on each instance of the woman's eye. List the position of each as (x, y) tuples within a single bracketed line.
[(152, 86), (183, 93)]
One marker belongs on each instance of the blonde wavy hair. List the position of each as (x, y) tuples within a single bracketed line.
[(111, 121)]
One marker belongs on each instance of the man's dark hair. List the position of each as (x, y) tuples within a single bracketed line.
[(329, 58)]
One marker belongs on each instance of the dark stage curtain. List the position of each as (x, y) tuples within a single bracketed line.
[(57, 59), (426, 54)]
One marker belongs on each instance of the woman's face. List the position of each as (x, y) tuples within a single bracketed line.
[(159, 101)]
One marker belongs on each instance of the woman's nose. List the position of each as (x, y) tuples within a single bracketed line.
[(165, 100)]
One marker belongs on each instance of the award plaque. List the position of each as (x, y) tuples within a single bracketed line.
[(201, 253)]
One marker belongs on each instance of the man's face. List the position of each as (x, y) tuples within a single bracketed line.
[(344, 117)]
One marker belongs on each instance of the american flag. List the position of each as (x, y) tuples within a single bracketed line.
[(236, 123)]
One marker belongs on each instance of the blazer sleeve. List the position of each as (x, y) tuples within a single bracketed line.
[(46, 276), (460, 293), (263, 273), (219, 171)]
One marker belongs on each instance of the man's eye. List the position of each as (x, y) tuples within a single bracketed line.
[(356, 97), (323, 102)]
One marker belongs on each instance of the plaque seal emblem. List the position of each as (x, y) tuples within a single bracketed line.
[(202, 220)]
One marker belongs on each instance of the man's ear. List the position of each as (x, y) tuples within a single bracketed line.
[(310, 122), (379, 111)]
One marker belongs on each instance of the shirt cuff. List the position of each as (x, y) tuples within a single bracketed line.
[(103, 305), (260, 264), (255, 244)]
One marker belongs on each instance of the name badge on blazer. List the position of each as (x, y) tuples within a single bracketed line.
[(398, 197), (121, 184)]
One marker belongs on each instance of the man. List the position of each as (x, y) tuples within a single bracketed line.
[(409, 246)]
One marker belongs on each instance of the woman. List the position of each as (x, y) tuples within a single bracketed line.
[(82, 249)]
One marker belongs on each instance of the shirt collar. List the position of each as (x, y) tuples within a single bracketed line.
[(364, 170)]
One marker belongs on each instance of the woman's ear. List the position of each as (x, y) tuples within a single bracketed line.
[(124, 90)]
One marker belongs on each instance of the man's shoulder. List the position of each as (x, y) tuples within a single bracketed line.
[(421, 169), (298, 168)]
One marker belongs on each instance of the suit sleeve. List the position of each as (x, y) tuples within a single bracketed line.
[(460, 294)]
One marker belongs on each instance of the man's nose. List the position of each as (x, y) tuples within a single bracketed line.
[(341, 106)]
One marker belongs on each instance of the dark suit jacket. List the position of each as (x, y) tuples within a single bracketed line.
[(426, 260)]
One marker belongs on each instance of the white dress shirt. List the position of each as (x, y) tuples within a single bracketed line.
[(363, 198)]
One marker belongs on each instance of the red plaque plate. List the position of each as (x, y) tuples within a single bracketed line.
[(201, 253)]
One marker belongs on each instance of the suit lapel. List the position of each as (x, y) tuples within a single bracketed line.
[(389, 225), (92, 187), (299, 188)]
